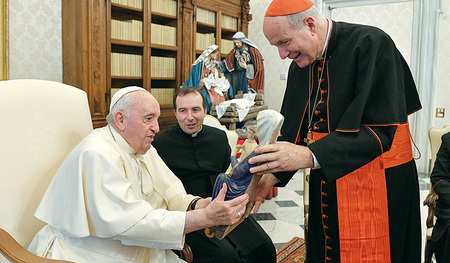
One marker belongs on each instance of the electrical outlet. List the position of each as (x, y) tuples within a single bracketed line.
[(283, 76), (440, 112)]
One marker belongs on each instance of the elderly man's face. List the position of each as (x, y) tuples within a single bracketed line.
[(142, 124), (299, 45), (190, 112)]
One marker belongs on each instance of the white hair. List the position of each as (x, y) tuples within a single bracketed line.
[(296, 19), (123, 105)]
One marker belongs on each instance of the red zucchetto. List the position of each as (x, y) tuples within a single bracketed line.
[(287, 7)]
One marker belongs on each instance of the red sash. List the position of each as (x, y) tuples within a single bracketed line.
[(363, 207)]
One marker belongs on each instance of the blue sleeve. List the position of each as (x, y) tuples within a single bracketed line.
[(222, 67), (194, 77)]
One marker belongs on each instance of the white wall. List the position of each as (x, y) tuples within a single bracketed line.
[(35, 34), (398, 26), (442, 94)]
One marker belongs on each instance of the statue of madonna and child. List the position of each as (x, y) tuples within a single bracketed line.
[(238, 178)]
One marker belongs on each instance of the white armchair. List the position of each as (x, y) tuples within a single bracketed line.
[(231, 134), (42, 121)]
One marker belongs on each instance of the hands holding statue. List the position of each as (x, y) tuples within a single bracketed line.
[(226, 212), (281, 157), (261, 162), (262, 190), (277, 157), (239, 179), (240, 175), (209, 213)]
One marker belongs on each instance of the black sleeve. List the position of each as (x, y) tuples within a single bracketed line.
[(227, 160), (440, 177), (284, 178)]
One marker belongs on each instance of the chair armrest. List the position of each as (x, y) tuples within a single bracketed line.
[(185, 254), (14, 252), (430, 201)]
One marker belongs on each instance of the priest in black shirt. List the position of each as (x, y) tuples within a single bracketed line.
[(196, 154)]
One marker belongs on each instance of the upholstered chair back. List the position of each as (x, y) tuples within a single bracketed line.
[(42, 121), (214, 122)]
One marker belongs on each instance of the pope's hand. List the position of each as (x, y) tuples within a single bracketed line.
[(226, 212), (202, 203)]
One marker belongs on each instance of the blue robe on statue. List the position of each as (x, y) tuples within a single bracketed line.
[(194, 81), (239, 179), (242, 76)]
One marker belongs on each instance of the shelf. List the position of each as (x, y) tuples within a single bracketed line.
[(120, 82), (163, 83), (228, 33), (88, 30), (164, 47), (118, 10), (126, 77), (136, 50), (160, 78), (205, 28), (162, 17), (126, 43)]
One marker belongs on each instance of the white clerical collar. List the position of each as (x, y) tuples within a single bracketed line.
[(123, 144), (330, 24), (195, 134)]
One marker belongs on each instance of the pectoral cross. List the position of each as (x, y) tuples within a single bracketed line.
[(309, 138)]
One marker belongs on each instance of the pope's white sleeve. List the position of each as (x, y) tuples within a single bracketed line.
[(158, 229)]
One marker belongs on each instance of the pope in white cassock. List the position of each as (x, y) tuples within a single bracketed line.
[(114, 199)]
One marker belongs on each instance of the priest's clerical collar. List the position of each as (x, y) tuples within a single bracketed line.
[(195, 134), (330, 25)]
